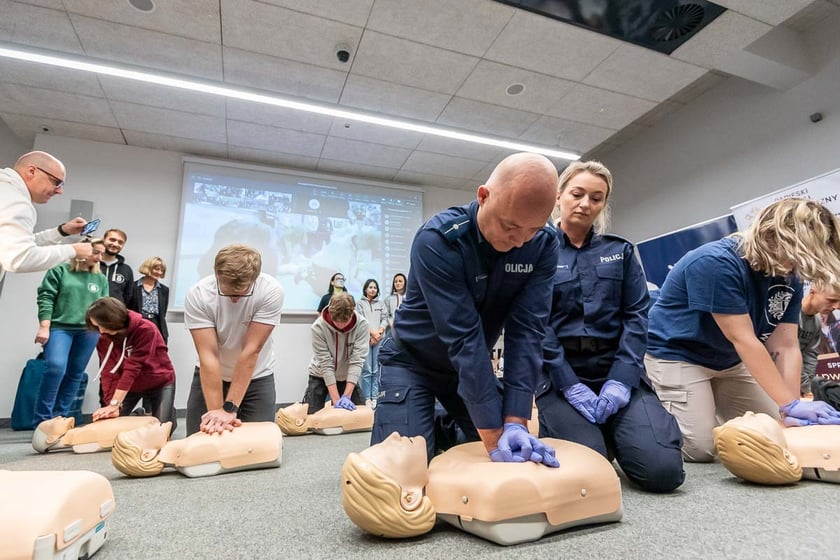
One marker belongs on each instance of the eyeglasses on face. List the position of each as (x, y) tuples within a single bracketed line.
[(249, 294), (57, 183)]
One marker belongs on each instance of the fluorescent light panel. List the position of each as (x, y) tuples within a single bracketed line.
[(215, 88)]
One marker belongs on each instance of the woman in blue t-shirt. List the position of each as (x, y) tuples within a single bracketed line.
[(722, 338)]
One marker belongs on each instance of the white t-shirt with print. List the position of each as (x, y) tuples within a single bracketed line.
[(205, 308)]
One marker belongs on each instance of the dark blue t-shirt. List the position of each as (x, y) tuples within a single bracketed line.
[(715, 278)]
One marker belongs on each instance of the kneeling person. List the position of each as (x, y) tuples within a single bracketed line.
[(339, 348)]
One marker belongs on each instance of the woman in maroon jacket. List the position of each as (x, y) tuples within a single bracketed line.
[(134, 362)]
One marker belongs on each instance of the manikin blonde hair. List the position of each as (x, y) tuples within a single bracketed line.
[(292, 419), (127, 457), (372, 501), (797, 232), (81, 265), (754, 457), (599, 170)]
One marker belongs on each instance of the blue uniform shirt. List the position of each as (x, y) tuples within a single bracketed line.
[(600, 291), (715, 278), (460, 294)]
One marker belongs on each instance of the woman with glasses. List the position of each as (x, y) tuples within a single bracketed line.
[(336, 286), (64, 296)]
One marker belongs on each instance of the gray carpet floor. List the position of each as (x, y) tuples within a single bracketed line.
[(295, 512)]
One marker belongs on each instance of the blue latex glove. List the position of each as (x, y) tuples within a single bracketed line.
[(807, 413), (517, 445), (613, 397), (583, 399), (345, 403)]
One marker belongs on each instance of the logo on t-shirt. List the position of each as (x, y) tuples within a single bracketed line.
[(778, 299), (93, 288), (519, 268), (118, 278)]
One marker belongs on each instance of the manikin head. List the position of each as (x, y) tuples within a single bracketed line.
[(382, 488), (42, 174), (753, 447), (135, 452), (292, 419), (517, 200)]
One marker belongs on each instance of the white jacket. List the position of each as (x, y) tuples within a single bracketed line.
[(20, 249)]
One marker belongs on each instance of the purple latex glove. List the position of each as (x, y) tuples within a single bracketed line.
[(807, 413), (613, 397), (517, 445), (583, 399), (345, 403)]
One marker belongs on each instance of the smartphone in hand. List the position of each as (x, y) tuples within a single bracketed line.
[(91, 226)]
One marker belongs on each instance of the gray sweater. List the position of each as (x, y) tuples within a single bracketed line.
[(338, 354)]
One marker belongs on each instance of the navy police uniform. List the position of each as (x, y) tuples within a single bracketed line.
[(461, 293), (598, 331)]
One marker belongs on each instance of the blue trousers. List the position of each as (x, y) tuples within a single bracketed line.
[(67, 353), (408, 393), (369, 380)]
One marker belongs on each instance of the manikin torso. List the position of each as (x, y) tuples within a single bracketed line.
[(295, 420), (59, 433)]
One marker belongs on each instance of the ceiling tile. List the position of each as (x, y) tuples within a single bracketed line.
[(409, 63), (490, 80), (148, 49), (258, 27), (431, 180), (278, 117), (272, 158), (49, 77), (40, 27), (465, 26), (365, 132), (356, 170), (643, 73), (488, 119), (168, 122), (551, 47), (23, 100), (393, 99), (286, 141), (600, 107), (175, 144), (730, 32), (196, 19), (563, 134), (118, 89), (449, 166), (283, 76), (354, 12), (26, 127), (364, 153), (773, 12), (457, 148)]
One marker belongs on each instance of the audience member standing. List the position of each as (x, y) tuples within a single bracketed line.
[(149, 297), (35, 178), (120, 275), (394, 299), (373, 310), (336, 285), (64, 296)]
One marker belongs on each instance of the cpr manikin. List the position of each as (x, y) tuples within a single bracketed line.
[(59, 433), (53, 514), (507, 503), (295, 420), (146, 452), (757, 448)]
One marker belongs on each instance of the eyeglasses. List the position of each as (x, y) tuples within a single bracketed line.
[(249, 294), (339, 279), (57, 183)]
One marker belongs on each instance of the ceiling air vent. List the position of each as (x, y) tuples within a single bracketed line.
[(677, 22)]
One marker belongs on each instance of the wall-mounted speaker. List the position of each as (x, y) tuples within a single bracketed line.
[(83, 208)]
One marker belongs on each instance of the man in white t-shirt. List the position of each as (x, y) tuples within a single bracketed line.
[(230, 316)]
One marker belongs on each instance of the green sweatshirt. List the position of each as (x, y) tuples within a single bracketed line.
[(64, 296)]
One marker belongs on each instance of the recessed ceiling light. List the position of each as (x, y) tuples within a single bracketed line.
[(143, 5), (515, 89)]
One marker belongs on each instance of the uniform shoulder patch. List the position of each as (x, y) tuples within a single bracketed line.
[(455, 228)]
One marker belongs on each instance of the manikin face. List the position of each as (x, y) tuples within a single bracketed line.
[(404, 460), (150, 438), (764, 424), (582, 200), (114, 243), (507, 222), (399, 283)]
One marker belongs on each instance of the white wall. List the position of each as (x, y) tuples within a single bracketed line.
[(736, 142), (138, 190), (10, 146)]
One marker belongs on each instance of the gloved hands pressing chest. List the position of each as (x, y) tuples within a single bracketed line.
[(807, 413), (517, 446), (583, 399), (613, 397), (345, 403)]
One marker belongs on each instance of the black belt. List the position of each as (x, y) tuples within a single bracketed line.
[(589, 344)]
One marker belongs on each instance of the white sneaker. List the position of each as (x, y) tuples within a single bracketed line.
[(373, 403), (369, 403)]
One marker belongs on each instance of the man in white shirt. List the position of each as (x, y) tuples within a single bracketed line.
[(35, 178), (231, 316)]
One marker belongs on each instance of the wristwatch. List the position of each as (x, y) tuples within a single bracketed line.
[(115, 402), (228, 406)]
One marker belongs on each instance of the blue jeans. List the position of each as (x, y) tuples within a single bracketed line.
[(369, 381), (67, 353)]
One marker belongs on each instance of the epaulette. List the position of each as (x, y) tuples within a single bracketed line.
[(455, 228)]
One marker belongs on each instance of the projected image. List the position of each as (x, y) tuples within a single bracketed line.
[(304, 231)]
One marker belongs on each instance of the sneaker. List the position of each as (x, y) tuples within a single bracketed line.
[(372, 403), (369, 403)]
